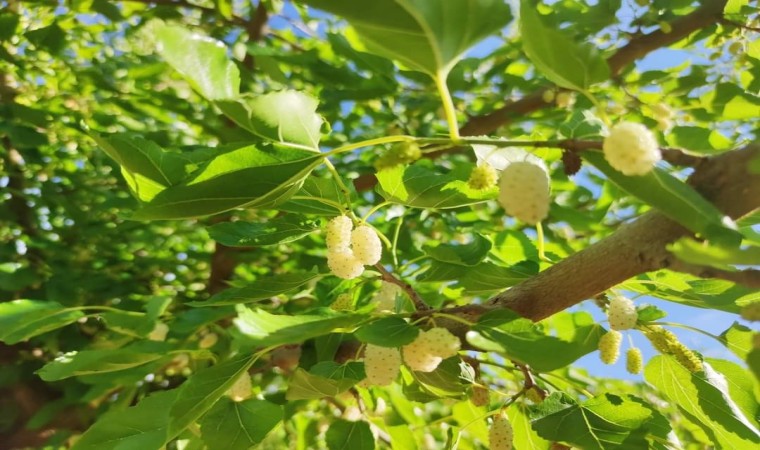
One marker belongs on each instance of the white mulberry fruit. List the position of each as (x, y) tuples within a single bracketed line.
[(524, 191), (386, 296), (431, 347), (631, 148), (344, 264), (622, 313), (381, 364), (366, 245), (500, 434), (339, 233), (609, 346)]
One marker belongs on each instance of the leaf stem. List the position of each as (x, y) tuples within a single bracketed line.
[(369, 143), (448, 105), (540, 243), (339, 181), (375, 209)]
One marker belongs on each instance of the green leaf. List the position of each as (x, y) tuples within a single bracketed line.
[(740, 384), (287, 117), (140, 427), (203, 389), (688, 290), (132, 324), (199, 59), (318, 190), (739, 339), (486, 278), (269, 329), (88, 362), (51, 38), (698, 139), (602, 422), (451, 378), (262, 289), (673, 198), (24, 319), (422, 187), (353, 370), (522, 340), (147, 168), (524, 435), (427, 36), (722, 257), (555, 54), (649, 313), (468, 254), (307, 386), (702, 396), (387, 332), (225, 183), (345, 435), (231, 425), (8, 24), (280, 230)]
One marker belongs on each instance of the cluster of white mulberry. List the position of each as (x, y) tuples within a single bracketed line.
[(349, 249), (622, 315), (424, 354), (524, 189)]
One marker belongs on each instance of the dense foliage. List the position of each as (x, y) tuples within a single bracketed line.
[(354, 225)]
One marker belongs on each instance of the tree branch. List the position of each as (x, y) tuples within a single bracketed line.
[(419, 303), (709, 13), (637, 247), (747, 277)]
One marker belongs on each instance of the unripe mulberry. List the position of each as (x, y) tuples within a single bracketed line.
[(686, 357), (344, 264), (548, 96), (621, 313), (430, 348), (634, 360), (660, 338), (524, 191), (386, 296), (483, 177), (631, 148), (402, 153), (479, 396), (662, 111), (366, 245), (339, 233), (609, 347), (343, 302), (500, 434), (565, 99), (208, 340), (381, 364)]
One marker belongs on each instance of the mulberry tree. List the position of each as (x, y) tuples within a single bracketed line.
[(407, 224)]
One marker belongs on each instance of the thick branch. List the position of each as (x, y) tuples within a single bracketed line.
[(637, 247)]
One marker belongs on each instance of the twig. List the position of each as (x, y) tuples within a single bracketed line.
[(419, 303), (746, 277), (726, 21), (528, 381)]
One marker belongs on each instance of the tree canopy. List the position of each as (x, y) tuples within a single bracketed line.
[(387, 224)]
